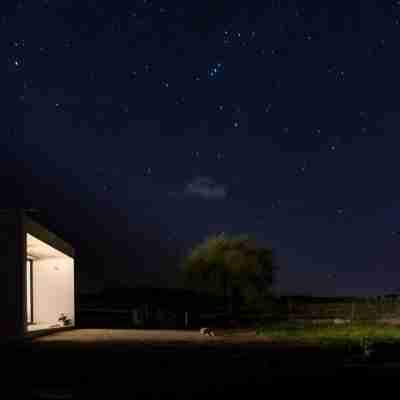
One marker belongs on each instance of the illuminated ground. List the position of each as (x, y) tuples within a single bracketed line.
[(135, 337), (177, 364)]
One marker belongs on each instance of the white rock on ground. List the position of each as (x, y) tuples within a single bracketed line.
[(207, 331)]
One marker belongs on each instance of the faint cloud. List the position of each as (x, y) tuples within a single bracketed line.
[(204, 187)]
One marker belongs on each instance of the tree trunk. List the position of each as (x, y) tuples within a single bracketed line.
[(225, 290), (235, 302)]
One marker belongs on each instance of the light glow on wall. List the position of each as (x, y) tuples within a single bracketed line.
[(52, 285)]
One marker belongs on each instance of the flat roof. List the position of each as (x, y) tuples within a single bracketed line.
[(40, 232)]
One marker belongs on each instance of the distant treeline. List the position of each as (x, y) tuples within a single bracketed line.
[(126, 298), (282, 307)]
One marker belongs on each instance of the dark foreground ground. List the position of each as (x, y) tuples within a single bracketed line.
[(122, 364)]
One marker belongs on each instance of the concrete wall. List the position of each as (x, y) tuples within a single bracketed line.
[(55, 286), (12, 276), (53, 283)]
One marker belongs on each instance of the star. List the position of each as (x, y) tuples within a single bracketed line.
[(263, 94), (214, 70)]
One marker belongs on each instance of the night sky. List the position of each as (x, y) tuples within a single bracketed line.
[(156, 123)]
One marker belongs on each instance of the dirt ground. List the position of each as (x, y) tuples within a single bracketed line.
[(154, 337), (120, 363)]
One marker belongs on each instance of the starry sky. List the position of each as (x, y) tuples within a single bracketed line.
[(152, 124)]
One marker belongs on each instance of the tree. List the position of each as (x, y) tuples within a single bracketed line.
[(236, 268)]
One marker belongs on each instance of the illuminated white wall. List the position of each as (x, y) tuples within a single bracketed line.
[(53, 283), (53, 289)]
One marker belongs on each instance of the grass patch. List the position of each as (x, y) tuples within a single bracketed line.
[(331, 334)]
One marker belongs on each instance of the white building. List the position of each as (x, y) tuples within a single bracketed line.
[(37, 278)]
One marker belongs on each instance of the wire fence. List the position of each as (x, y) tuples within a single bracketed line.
[(357, 310)]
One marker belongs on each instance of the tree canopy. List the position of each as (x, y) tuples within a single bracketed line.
[(233, 267)]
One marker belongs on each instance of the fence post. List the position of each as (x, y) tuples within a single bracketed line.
[(398, 306), (352, 311), (290, 307), (186, 319)]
